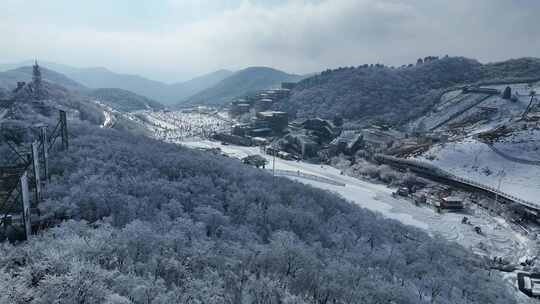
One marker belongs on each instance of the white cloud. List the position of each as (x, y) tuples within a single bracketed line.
[(298, 36)]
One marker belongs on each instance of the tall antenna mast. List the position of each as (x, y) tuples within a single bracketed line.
[(36, 80)]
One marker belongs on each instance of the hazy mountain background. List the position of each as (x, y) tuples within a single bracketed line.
[(99, 77), (366, 92), (119, 99), (216, 88), (132, 92), (241, 83), (162, 92)]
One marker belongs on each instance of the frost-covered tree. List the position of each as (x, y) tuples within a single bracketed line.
[(156, 223)]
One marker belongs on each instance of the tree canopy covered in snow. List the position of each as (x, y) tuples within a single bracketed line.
[(156, 223), (397, 94)]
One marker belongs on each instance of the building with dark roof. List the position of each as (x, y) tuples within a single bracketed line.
[(529, 284), (288, 85), (238, 109), (348, 142), (276, 120)]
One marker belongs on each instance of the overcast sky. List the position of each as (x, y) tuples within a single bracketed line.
[(173, 40)]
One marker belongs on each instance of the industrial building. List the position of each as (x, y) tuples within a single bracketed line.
[(265, 124), (239, 107), (242, 129), (323, 129), (277, 121), (263, 104), (378, 140), (303, 145), (439, 197), (529, 284), (348, 142), (258, 102), (451, 202), (472, 89)]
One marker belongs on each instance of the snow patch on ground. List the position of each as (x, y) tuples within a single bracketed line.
[(177, 126), (108, 119), (524, 144)]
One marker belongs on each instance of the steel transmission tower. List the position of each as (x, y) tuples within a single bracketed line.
[(36, 81)]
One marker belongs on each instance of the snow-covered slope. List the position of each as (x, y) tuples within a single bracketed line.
[(521, 145), (472, 159), (181, 125), (475, 112), (512, 158)]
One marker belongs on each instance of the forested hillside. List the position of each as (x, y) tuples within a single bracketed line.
[(9, 79), (396, 94), (59, 86), (241, 83), (124, 100), (512, 70), (157, 223), (184, 90), (3, 93)]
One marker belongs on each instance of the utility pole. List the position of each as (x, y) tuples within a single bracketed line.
[(25, 197), (64, 130), (532, 94), (274, 165), (45, 152), (501, 176), (35, 167)]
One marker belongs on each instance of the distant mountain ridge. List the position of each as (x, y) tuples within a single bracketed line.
[(165, 93), (59, 84), (198, 84), (215, 88), (99, 77), (226, 86), (241, 83)]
